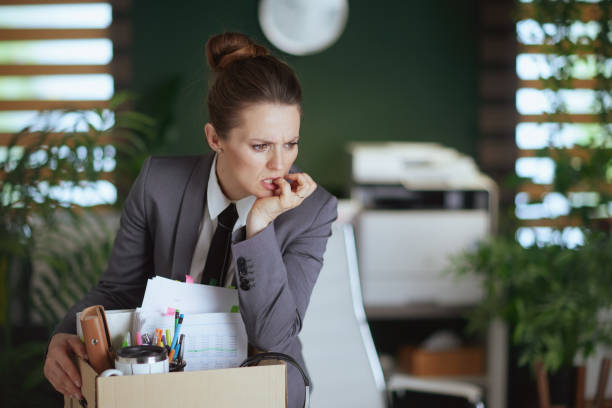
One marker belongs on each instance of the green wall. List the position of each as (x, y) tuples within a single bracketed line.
[(402, 70)]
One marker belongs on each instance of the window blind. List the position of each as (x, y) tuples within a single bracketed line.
[(564, 108), (57, 55)]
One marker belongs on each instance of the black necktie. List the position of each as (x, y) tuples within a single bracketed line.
[(218, 259)]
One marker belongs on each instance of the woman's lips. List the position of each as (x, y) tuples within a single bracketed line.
[(268, 184)]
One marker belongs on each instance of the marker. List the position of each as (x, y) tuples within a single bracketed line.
[(127, 341), (176, 319), (138, 339), (168, 338)]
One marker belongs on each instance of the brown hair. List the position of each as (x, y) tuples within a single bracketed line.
[(245, 74)]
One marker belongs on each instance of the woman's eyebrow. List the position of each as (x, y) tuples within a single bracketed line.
[(262, 141)]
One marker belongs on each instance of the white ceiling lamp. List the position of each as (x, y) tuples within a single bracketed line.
[(302, 27)]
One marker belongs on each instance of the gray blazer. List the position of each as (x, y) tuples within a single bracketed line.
[(277, 268)]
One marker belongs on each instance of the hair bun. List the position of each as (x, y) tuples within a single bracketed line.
[(223, 49)]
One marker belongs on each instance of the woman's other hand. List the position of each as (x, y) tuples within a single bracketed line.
[(291, 191), (59, 368)]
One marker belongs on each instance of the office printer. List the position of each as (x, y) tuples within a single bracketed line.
[(421, 203)]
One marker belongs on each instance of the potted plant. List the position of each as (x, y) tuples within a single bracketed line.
[(551, 296), (42, 225)]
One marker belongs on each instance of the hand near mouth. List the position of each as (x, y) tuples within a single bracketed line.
[(291, 191)]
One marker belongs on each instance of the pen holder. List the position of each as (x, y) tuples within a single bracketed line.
[(177, 366)]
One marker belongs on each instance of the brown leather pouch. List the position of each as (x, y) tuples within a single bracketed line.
[(97, 338)]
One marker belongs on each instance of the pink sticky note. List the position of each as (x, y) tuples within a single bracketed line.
[(170, 311), (188, 279)]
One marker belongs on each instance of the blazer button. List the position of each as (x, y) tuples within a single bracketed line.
[(242, 266), (244, 285)]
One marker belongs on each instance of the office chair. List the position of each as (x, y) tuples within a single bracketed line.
[(337, 344), (338, 349)]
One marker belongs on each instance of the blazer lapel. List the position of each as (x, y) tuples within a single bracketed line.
[(189, 218)]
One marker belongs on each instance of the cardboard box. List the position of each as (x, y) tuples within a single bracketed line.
[(464, 361), (263, 386)]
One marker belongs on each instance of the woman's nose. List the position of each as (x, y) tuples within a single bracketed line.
[(276, 161)]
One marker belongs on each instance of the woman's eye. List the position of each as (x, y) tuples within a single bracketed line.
[(260, 147), (290, 145)]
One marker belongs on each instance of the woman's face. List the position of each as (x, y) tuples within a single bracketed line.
[(262, 148)]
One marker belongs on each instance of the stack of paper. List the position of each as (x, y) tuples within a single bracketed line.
[(162, 293)]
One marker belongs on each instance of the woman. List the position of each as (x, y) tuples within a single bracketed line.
[(186, 215)]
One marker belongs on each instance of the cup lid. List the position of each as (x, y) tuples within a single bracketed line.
[(141, 354)]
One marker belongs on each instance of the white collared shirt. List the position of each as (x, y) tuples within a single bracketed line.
[(216, 202)]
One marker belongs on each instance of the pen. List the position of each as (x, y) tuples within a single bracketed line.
[(178, 350), (176, 333), (182, 348), (163, 342), (176, 319)]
